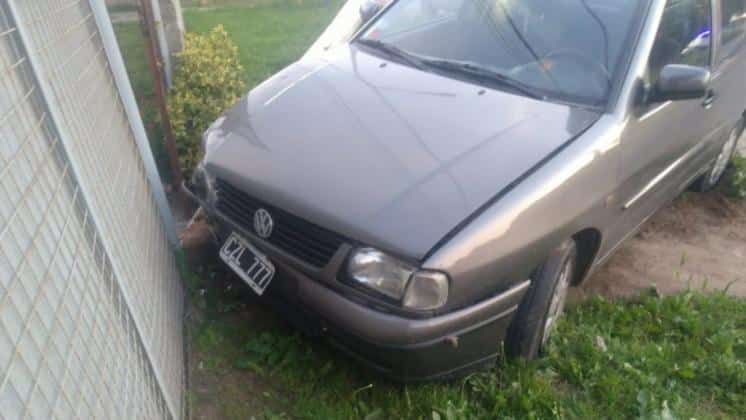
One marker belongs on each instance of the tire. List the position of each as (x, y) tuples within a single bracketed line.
[(712, 177), (528, 331)]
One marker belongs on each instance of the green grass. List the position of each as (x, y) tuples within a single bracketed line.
[(132, 45), (735, 179), (122, 8), (217, 3), (268, 37), (655, 358), (247, 3)]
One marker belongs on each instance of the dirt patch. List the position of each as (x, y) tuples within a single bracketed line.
[(698, 241)]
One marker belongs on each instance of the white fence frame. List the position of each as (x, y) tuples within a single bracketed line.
[(119, 264)]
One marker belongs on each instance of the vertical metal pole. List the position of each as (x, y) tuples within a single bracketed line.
[(160, 93), (160, 31), (116, 63)]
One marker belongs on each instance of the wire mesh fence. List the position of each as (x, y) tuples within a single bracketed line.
[(90, 300)]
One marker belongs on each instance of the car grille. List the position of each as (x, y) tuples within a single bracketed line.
[(304, 240)]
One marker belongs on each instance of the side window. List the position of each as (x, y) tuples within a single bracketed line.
[(734, 26), (684, 36)]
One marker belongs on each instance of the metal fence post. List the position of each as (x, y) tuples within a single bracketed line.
[(127, 96), (162, 40)]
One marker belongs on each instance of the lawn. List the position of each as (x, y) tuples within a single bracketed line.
[(131, 43), (245, 3), (268, 37), (655, 357)]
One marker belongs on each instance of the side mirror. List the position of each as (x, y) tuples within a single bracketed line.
[(678, 82), (369, 8)]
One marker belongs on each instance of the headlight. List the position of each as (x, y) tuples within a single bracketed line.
[(202, 183), (416, 289), (378, 271), (199, 184)]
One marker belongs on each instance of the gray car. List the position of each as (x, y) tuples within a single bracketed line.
[(424, 193)]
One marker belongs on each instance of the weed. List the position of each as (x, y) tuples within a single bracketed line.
[(735, 181)]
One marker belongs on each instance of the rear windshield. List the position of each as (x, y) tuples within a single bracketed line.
[(564, 48)]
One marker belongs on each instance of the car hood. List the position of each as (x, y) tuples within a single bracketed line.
[(385, 154)]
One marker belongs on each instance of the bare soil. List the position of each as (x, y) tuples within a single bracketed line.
[(698, 241)]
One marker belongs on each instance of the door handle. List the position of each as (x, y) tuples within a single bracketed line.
[(709, 99)]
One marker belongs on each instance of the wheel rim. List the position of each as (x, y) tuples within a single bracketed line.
[(723, 158), (557, 304)]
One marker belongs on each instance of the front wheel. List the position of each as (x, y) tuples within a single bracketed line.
[(711, 178), (543, 304)]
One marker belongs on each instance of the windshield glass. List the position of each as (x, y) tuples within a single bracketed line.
[(568, 49)]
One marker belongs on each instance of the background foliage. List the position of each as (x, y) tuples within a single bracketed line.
[(735, 185), (208, 81)]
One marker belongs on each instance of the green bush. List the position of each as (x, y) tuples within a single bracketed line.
[(208, 81), (735, 183)]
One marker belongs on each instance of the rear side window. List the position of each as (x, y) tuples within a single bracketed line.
[(684, 36), (733, 26)]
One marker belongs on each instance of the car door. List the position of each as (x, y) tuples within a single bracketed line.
[(662, 141), (729, 71)]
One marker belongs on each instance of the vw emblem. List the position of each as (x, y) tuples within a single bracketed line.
[(263, 223)]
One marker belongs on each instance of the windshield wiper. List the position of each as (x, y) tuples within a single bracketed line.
[(466, 68), (484, 74), (391, 51)]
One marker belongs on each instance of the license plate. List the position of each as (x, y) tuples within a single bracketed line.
[(251, 265)]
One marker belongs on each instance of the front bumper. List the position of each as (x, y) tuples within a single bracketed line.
[(400, 347), (409, 349)]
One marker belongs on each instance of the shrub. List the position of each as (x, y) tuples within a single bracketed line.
[(735, 183), (209, 79)]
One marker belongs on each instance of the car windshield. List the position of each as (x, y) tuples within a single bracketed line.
[(564, 49)]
